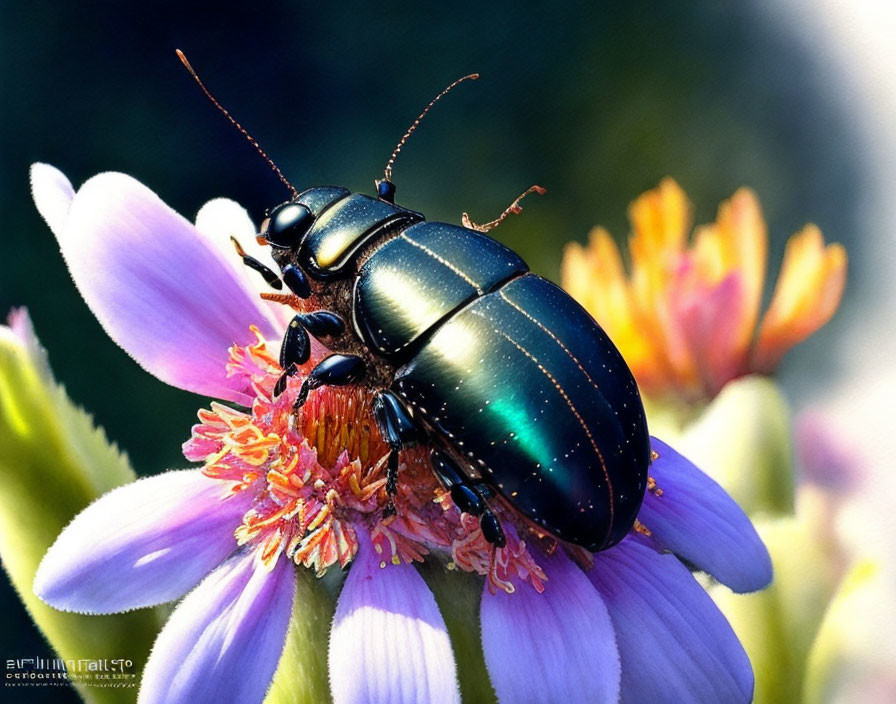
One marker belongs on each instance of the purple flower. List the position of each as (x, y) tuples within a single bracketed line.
[(633, 626)]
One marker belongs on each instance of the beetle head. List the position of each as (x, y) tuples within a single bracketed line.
[(286, 225)]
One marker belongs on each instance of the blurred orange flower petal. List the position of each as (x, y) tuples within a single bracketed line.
[(595, 276), (807, 294), (685, 316)]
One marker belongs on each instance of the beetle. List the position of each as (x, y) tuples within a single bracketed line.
[(515, 388)]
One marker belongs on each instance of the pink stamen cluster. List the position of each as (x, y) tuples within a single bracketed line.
[(320, 475)]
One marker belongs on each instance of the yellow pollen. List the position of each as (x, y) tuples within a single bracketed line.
[(322, 514), (641, 528)]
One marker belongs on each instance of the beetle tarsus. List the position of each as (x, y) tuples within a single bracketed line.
[(280, 386), (491, 529), (392, 473), (469, 495), (335, 370), (304, 390), (391, 483)]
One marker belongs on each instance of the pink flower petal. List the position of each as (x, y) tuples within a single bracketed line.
[(711, 319), (157, 287), (674, 643), (557, 646), (223, 642), (142, 544), (389, 644)]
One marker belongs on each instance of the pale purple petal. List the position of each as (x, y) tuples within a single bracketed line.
[(389, 644), (154, 283), (557, 646), (674, 643), (142, 544), (698, 521), (224, 640), (218, 221), (825, 457), (53, 194)]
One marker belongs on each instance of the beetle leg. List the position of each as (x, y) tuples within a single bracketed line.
[(335, 370), (296, 281), (266, 272), (470, 496), (452, 477), (399, 431), (280, 386), (295, 350), (323, 323), (296, 347), (491, 529)]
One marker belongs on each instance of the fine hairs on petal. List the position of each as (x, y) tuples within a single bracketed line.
[(140, 266), (674, 643), (389, 642), (142, 544), (697, 520), (223, 641), (53, 195), (555, 647)]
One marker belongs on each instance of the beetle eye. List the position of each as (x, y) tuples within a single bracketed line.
[(287, 224)]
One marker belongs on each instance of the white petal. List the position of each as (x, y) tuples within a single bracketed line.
[(53, 194), (218, 221)]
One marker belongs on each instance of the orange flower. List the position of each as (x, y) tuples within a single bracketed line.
[(685, 314)]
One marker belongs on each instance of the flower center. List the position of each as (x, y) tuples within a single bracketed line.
[(320, 476)]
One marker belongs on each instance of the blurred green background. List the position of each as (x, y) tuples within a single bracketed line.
[(595, 101)]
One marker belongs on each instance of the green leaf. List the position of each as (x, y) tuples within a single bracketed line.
[(743, 440), (458, 595), (778, 625), (53, 463)]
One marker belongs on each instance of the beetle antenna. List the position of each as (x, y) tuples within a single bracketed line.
[(236, 124), (515, 208), (387, 176)]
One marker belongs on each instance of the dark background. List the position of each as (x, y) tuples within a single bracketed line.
[(595, 101)]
